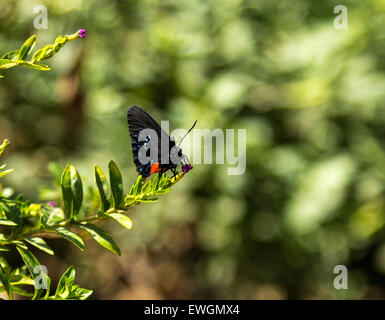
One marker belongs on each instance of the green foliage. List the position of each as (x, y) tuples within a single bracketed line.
[(28, 223), (2, 167), (146, 191), (66, 290), (18, 57)]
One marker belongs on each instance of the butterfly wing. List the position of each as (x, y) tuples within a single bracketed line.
[(138, 119)]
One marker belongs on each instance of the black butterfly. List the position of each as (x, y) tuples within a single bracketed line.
[(152, 148)]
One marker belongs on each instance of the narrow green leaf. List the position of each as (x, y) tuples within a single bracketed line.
[(35, 66), (5, 222), (72, 191), (129, 200), (6, 284), (77, 190), (4, 265), (40, 244), (146, 187), (101, 237), (42, 281), (79, 293), (7, 63), (155, 181), (164, 182), (51, 215), (67, 192), (116, 183), (4, 145), (70, 236), (12, 55), (3, 248), (39, 54), (161, 191), (21, 292), (103, 188), (3, 173), (65, 284), (23, 280), (122, 219), (138, 185), (27, 47), (19, 244)]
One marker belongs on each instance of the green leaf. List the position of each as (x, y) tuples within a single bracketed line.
[(3, 173), (70, 236), (6, 284), (22, 280), (164, 182), (19, 244), (138, 185), (146, 187), (79, 293), (72, 191), (6, 222), (42, 281), (65, 284), (27, 47), (4, 265), (21, 292), (66, 290), (3, 248), (40, 244), (67, 191), (129, 200), (4, 145), (12, 55), (39, 54), (101, 237), (103, 188), (51, 215), (116, 183), (156, 181), (122, 219), (35, 66), (161, 191), (7, 63), (13, 213)]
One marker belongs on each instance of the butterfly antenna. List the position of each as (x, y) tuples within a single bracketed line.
[(187, 132)]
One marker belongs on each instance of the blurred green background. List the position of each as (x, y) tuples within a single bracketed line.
[(312, 100)]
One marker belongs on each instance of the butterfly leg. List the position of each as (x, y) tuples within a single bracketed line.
[(174, 172)]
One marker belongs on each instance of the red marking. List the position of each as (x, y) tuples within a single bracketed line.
[(155, 167)]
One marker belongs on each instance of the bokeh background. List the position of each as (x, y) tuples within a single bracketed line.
[(312, 100)]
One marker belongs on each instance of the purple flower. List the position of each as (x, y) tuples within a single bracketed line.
[(52, 204), (82, 33), (186, 168)]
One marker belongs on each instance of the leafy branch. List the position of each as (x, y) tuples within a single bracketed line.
[(27, 224), (18, 57)]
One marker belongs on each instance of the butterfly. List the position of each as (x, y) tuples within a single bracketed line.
[(153, 149)]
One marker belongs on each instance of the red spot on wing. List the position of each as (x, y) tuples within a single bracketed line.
[(155, 167)]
